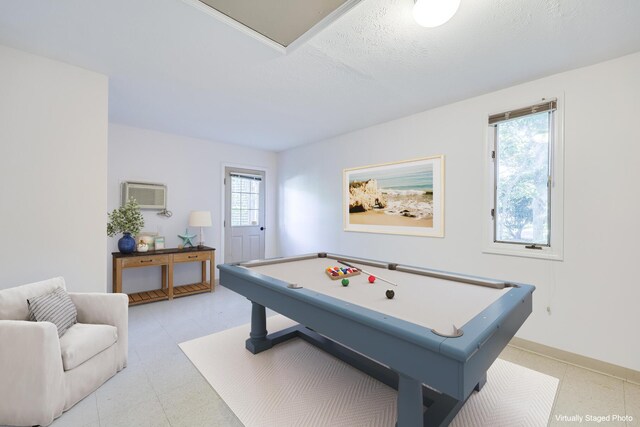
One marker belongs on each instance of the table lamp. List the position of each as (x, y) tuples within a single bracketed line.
[(200, 219)]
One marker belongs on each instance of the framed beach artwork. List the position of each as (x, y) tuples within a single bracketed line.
[(404, 197)]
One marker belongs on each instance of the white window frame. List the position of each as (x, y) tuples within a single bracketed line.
[(555, 250)]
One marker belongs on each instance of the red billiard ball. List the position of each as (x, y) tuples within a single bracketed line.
[(372, 279)]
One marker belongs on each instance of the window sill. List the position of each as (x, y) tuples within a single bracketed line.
[(521, 251)]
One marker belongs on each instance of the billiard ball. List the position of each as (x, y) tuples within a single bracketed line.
[(345, 282), (390, 294), (372, 279)]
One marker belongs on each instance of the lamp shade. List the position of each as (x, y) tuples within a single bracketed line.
[(200, 219), (432, 13)]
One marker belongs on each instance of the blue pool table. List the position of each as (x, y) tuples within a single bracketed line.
[(433, 340)]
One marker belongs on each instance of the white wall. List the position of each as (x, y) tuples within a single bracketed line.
[(53, 170), (594, 294), (192, 170)]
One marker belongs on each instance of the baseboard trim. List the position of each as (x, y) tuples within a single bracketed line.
[(595, 365)]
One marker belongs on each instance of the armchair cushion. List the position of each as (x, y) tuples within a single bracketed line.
[(55, 307), (13, 301), (83, 341), (106, 309)]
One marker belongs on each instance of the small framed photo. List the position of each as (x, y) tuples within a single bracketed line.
[(159, 242), (147, 238)]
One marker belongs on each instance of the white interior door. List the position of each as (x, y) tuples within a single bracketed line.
[(244, 214)]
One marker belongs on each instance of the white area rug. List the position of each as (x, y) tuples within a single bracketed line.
[(296, 384)]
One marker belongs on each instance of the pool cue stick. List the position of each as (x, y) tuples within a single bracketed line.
[(366, 272)]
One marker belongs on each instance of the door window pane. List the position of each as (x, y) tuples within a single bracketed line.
[(244, 205), (245, 201), (253, 216)]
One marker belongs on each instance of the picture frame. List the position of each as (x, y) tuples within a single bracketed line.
[(147, 237), (159, 242), (404, 197)]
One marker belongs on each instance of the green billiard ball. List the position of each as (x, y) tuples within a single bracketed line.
[(345, 282)]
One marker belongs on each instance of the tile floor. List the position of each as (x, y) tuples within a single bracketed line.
[(160, 387)]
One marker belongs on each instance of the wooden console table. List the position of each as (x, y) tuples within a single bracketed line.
[(166, 258)]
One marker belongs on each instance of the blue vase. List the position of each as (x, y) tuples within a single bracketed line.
[(126, 244)]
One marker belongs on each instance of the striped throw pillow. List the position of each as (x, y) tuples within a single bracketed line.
[(55, 307)]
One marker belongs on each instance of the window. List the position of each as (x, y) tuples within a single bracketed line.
[(245, 200), (525, 178)]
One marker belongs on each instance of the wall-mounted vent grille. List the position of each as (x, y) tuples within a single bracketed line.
[(147, 195)]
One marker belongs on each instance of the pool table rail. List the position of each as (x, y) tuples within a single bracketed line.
[(438, 274), (515, 304)]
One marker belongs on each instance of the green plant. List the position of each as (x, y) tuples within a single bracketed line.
[(125, 219)]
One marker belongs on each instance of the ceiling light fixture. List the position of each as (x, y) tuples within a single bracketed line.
[(433, 13)]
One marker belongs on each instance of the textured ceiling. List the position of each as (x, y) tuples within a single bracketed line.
[(176, 69)]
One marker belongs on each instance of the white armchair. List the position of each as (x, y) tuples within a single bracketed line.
[(41, 375)]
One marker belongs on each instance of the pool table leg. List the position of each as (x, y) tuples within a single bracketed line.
[(258, 340), (410, 406)]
